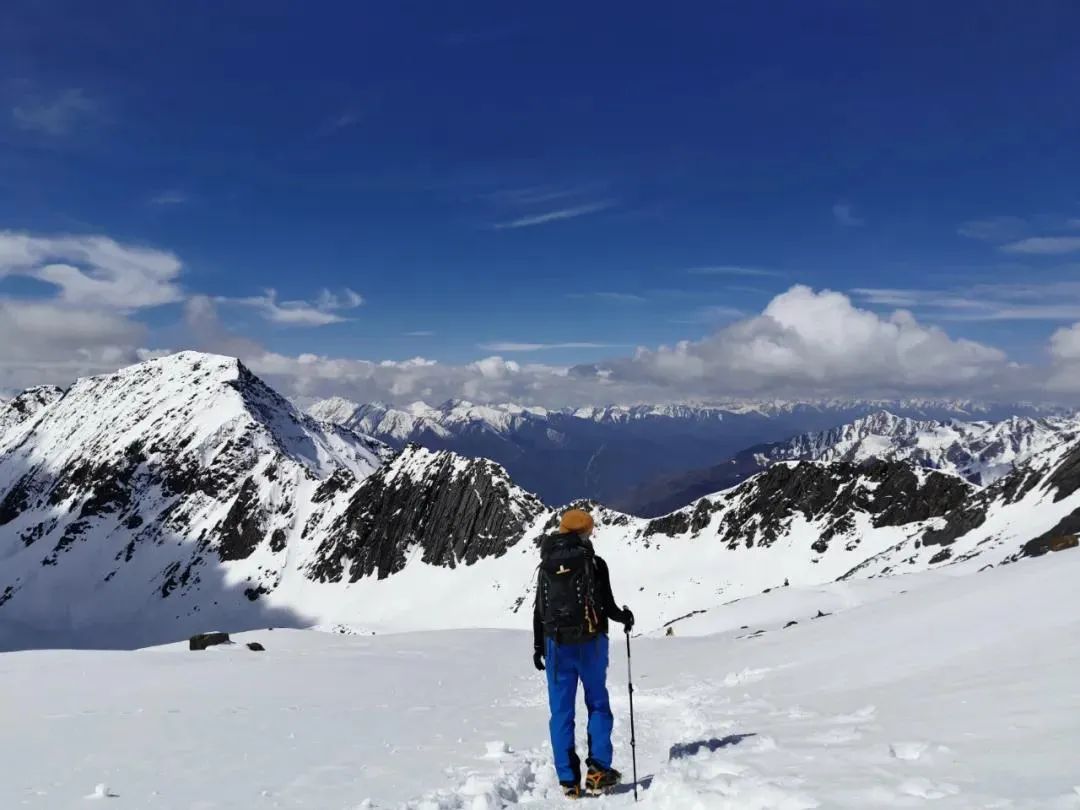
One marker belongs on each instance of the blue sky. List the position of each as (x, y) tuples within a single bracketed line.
[(491, 177)]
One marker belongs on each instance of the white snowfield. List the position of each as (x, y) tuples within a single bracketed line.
[(924, 690)]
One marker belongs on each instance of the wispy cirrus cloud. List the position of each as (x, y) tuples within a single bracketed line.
[(1053, 301), (541, 194), (511, 346), (712, 315), (420, 333), (557, 215), (1044, 245), (343, 120), (170, 197), (609, 297), (844, 214), (55, 116), (994, 229), (733, 270), (323, 311)]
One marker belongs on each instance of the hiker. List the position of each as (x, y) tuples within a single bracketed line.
[(570, 635)]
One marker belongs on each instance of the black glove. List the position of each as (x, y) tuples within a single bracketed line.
[(538, 660), (628, 619)]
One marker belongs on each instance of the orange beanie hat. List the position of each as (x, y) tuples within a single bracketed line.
[(576, 520)]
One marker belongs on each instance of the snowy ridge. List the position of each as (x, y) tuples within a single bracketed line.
[(981, 452)]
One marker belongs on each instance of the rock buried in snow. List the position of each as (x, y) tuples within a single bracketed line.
[(497, 749), (204, 640), (102, 791), (255, 646)]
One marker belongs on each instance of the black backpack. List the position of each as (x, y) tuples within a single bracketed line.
[(567, 589)]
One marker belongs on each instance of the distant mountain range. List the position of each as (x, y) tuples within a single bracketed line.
[(616, 454), (981, 452), (184, 494)]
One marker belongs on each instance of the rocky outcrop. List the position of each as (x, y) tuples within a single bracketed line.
[(202, 641), (455, 511), (892, 493), (25, 406)]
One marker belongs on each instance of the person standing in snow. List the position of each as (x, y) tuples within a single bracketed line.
[(570, 640)]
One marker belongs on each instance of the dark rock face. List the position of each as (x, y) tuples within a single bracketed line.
[(456, 511), (244, 527), (1063, 536), (890, 491), (204, 640), (255, 646), (1066, 478)]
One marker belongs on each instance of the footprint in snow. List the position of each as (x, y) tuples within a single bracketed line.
[(925, 789), (836, 736), (744, 677), (909, 751), (863, 715)]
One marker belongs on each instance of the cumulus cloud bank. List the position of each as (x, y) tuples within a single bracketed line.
[(805, 344), (817, 342)]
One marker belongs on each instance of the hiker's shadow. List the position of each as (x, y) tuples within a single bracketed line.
[(644, 783), (689, 749)]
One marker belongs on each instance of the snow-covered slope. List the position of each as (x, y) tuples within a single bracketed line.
[(605, 452), (952, 693)]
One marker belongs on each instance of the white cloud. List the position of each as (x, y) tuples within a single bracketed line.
[(556, 216), (1065, 352), (84, 325), (1065, 343), (1044, 245), (49, 342), (844, 214), (320, 312), (420, 333), (807, 341), (56, 116), (93, 271)]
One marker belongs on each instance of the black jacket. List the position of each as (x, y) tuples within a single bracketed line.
[(605, 603)]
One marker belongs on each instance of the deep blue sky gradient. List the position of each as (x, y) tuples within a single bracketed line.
[(378, 145)]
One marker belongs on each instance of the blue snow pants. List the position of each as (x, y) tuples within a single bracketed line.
[(566, 664)]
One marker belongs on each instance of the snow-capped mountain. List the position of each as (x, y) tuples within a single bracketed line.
[(183, 493), (26, 405), (981, 452), (607, 452)]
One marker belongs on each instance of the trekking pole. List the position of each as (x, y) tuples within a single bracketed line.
[(633, 739)]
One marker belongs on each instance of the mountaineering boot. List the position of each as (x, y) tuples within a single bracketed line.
[(599, 779), (571, 790)]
